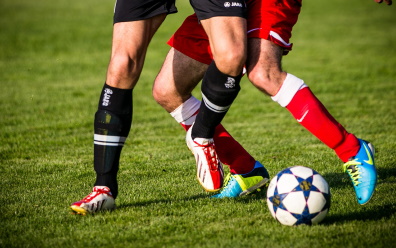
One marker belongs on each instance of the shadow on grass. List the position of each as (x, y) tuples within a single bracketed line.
[(377, 213), (162, 201), (386, 173)]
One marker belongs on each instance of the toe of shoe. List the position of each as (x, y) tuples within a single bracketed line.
[(365, 192)]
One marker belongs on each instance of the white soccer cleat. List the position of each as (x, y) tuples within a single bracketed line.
[(210, 172), (98, 200)]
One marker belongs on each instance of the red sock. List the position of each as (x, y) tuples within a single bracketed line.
[(311, 114), (230, 152)]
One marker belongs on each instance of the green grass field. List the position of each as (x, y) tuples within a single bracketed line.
[(53, 59)]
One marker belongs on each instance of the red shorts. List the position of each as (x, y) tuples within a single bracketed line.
[(267, 19)]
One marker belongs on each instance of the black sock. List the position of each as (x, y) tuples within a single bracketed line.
[(218, 92), (112, 124)]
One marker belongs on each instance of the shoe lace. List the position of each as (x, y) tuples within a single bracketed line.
[(210, 153), (352, 168), (94, 193), (226, 180)]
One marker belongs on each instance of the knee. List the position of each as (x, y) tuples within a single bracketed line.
[(122, 64), (261, 81), (159, 93), (230, 62), (268, 83), (165, 96), (123, 71)]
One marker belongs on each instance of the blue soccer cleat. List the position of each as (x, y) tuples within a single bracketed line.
[(244, 184), (362, 172)]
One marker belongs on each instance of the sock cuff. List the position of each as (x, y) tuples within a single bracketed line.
[(186, 109), (115, 100), (289, 88)]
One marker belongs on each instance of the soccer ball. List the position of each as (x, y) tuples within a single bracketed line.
[(298, 195)]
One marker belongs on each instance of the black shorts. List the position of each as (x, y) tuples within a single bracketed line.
[(206, 9), (135, 10)]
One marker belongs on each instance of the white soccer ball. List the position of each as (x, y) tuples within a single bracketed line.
[(298, 195)]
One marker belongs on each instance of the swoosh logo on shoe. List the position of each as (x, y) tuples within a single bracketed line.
[(370, 160), (302, 118)]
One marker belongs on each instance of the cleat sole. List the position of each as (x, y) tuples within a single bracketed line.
[(257, 187), (78, 210)]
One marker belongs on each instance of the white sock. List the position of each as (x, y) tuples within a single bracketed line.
[(289, 88), (185, 114)]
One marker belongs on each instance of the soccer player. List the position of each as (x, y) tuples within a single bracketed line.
[(135, 23), (270, 24)]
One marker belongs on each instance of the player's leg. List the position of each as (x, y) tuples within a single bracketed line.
[(225, 25), (131, 37), (264, 70), (129, 47), (273, 21), (113, 118), (226, 28), (220, 85)]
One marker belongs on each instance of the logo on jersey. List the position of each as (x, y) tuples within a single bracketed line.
[(232, 4), (106, 97), (230, 83)]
